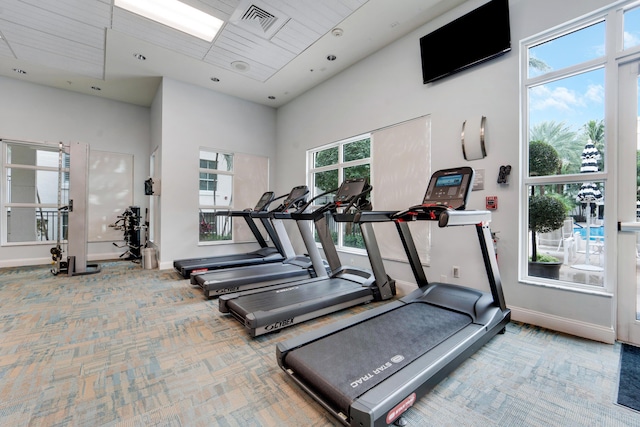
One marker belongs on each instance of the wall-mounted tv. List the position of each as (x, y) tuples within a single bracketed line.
[(481, 34)]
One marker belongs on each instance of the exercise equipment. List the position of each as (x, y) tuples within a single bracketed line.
[(75, 263), (267, 310), (129, 224), (293, 267), (369, 369), (266, 253)]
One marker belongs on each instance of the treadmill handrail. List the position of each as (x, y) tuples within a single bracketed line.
[(293, 203), (331, 206)]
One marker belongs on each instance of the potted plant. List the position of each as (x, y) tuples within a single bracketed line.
[(546, 212)]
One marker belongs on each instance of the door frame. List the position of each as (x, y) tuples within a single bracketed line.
[(627, 325)]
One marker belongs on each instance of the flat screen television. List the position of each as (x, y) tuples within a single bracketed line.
[(480, 35)]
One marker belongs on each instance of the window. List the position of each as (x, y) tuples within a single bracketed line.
[(329, 166), (30, 189), (565, 148), (631, 35), (215, 193)]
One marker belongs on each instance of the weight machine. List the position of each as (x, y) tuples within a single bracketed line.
[(129, 223), (75, 262)]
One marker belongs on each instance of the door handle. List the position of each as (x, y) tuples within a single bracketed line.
[(632, 227)]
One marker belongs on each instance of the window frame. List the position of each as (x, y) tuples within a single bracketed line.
[(6, 204), (340, 165), (613, 54), (215, 207)]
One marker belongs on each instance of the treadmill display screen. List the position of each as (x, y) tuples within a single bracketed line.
[(296, 194), (449, 181), (349, 189), (450, 188), (264, 201)]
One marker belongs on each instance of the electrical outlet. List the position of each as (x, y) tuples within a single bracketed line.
[(456, 271)]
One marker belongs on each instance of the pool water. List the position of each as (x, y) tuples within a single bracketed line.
[(594, 231)]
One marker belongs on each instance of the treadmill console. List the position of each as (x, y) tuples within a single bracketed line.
[(450, 188), (264, 201), (350, 189), (297, 194)]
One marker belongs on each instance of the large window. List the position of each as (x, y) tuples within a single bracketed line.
[(565, 147), (329, 166), (215, 193), (30, 193)]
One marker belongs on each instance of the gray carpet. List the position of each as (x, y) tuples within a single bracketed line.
[(134, 347)]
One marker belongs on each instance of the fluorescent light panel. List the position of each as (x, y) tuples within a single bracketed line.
[(176, 15)]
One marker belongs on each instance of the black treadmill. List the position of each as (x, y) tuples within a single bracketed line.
[(369, 369), (292, 267), (265, 254), (267, 310)]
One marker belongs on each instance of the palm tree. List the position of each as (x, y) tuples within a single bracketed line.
[(538, 64), (563, 139)]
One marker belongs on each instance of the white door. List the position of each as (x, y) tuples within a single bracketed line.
[(628, 256)]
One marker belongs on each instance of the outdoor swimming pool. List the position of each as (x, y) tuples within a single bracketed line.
[(594, 231)]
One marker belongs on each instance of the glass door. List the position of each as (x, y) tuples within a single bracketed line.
[(628, 246)]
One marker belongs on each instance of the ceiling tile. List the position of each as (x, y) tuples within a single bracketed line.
[(49, 24), (219, 8), (5, 50), (69, 63), (158, 34), (223, 59), (86, 12)]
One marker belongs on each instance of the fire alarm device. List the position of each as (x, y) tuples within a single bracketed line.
[(492, 202)]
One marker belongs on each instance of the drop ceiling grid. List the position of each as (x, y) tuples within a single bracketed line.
[(86, 12), (238, 41), (295, 37), (43, 42), (49, 25), (319, 16), (5, 50), (223, 8), (52, 60), (223, 59), (158, 34)]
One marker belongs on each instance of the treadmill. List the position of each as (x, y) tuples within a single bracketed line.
[(266, 253), (292, 267), (268, 310), (369, 369)]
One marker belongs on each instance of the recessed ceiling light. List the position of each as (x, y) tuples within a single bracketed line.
[(175, 14), (19, 71), (215, 79), (96, 88), (140, 56), (240, 66), (337, 32), (331, 58)]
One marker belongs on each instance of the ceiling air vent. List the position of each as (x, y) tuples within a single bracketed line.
[(261, 20), (261, 16)]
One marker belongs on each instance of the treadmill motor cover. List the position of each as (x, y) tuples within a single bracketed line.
[(345, 365)]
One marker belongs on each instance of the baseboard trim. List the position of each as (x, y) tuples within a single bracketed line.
[(27, 262), (562, 324), (166, 265)]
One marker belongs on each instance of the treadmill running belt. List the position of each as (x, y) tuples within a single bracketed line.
[(344, 365)]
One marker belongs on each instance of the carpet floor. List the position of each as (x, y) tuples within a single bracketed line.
[(134, 347)]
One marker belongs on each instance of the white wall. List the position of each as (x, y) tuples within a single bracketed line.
[(387, 88), (192, 118), (38, 113)]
